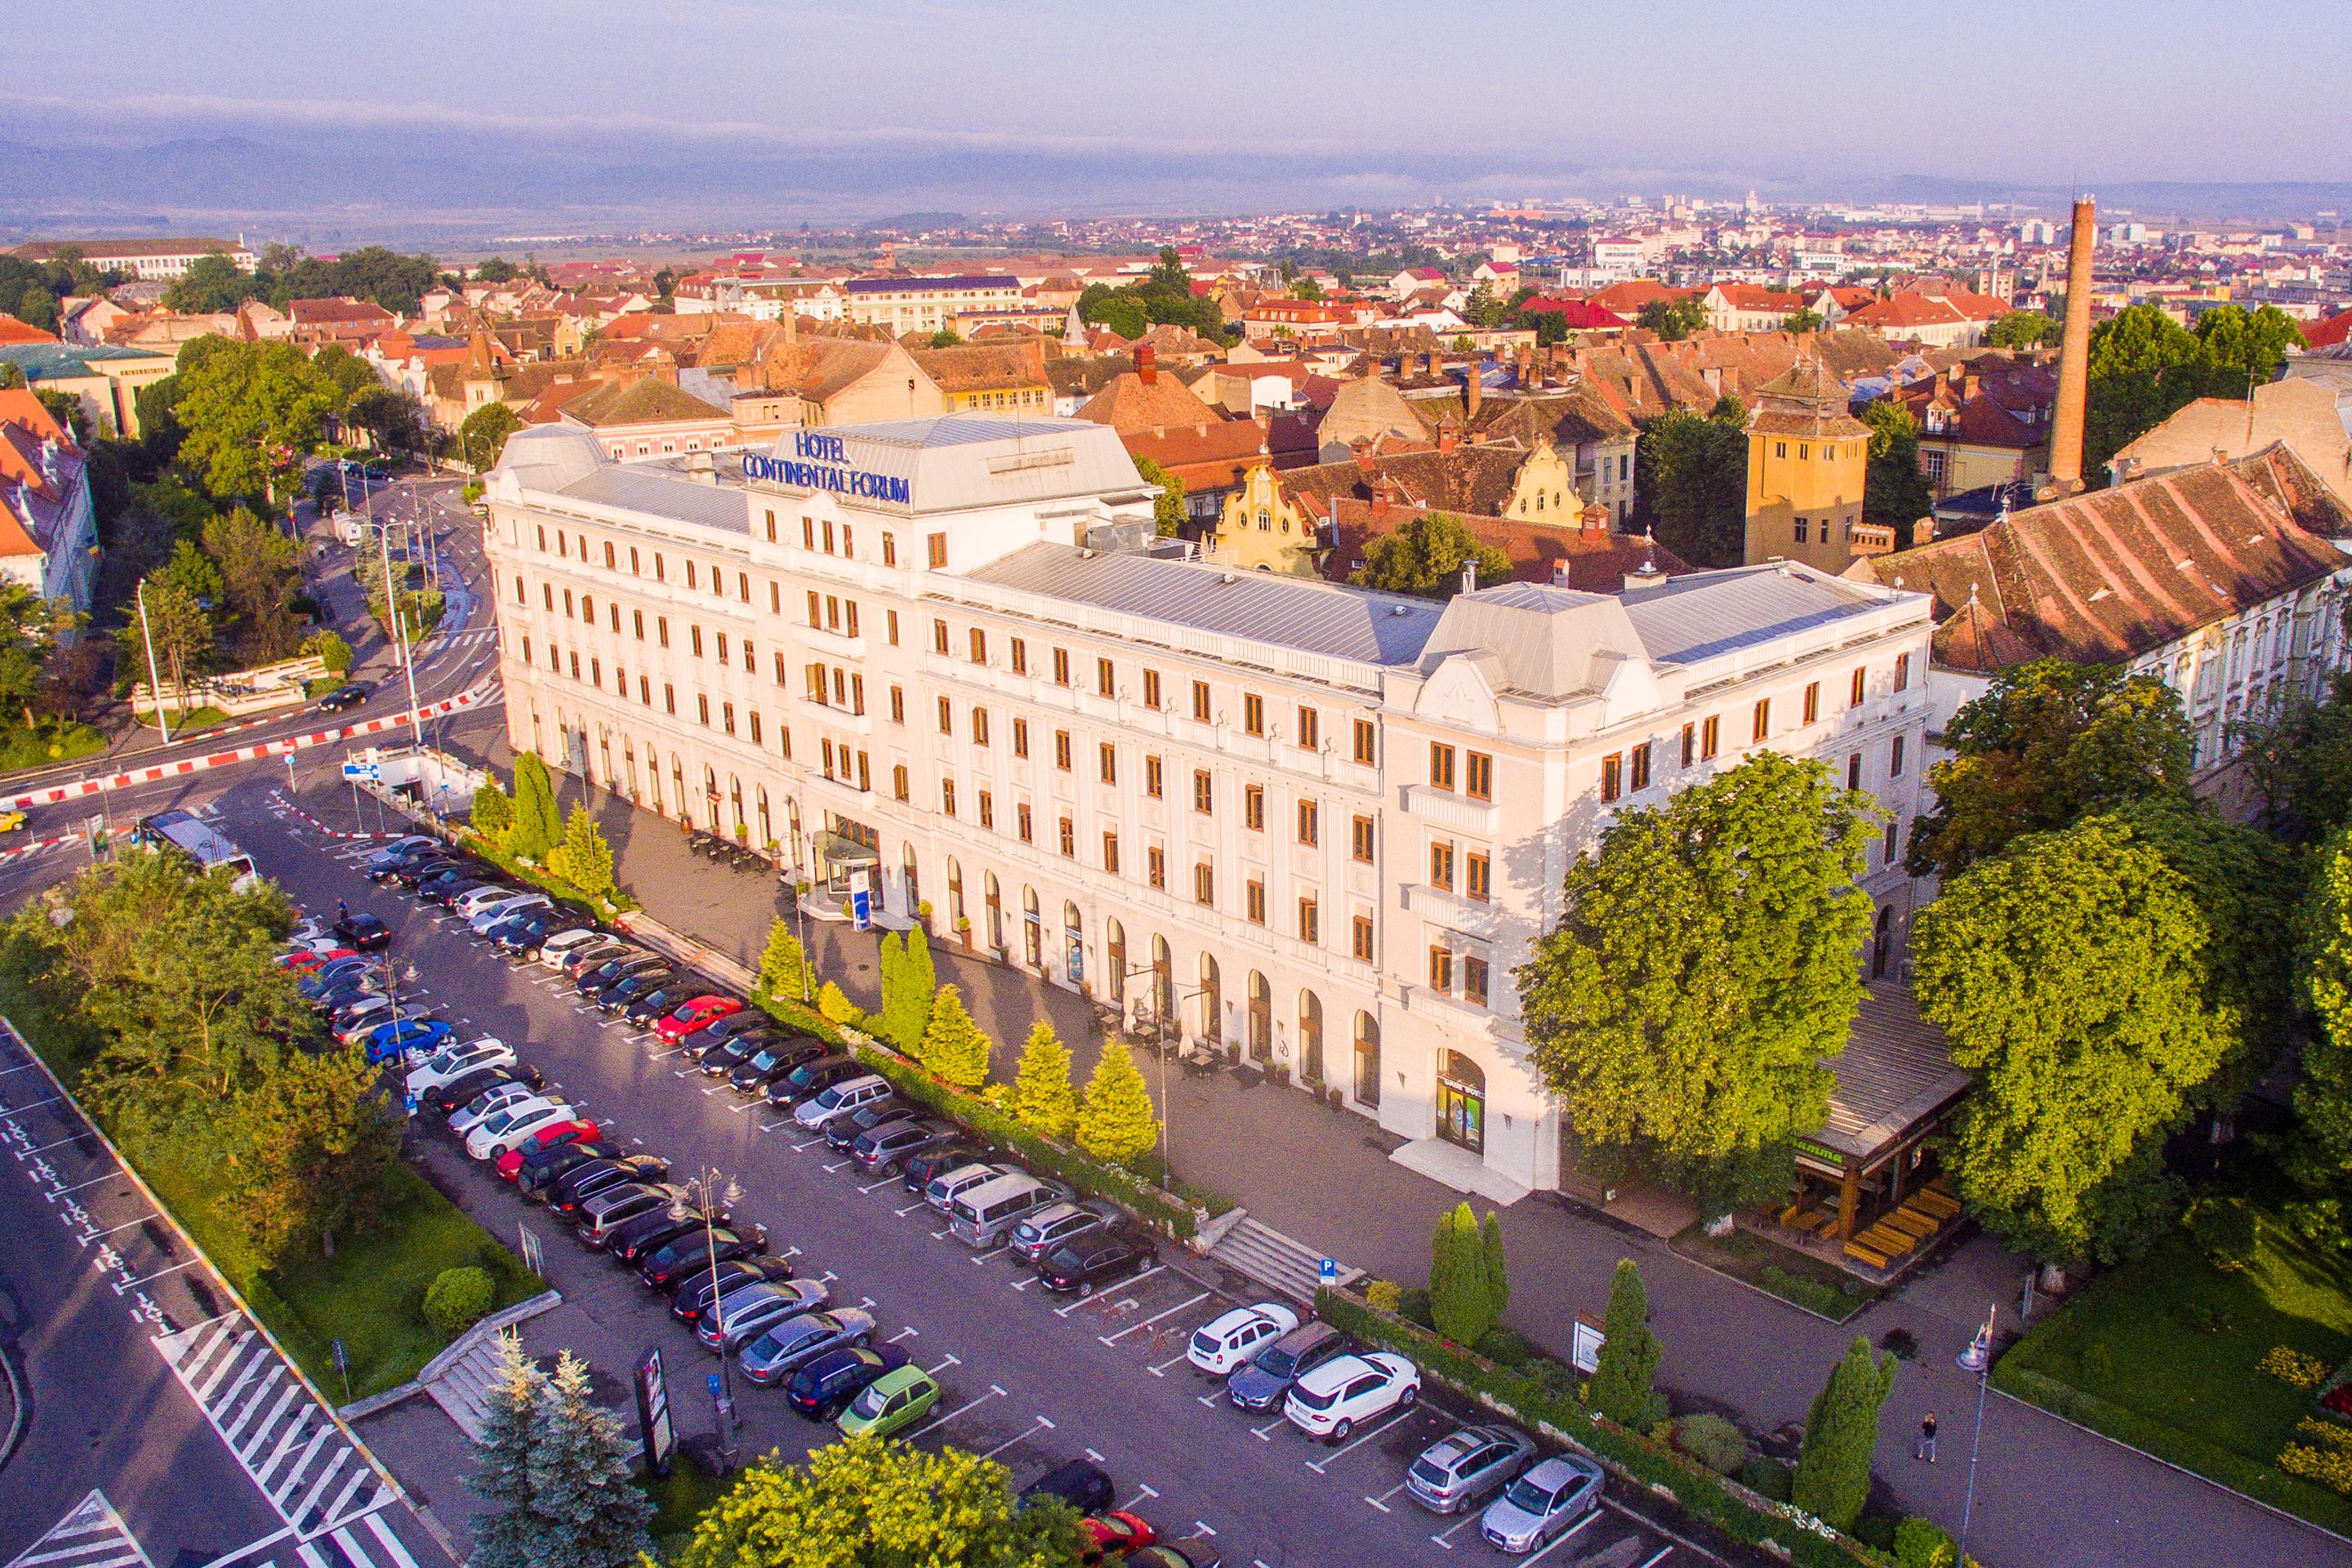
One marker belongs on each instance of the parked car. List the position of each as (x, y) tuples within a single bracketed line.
[(690, 1015), (590, 955), (456, 1061), (579, 1130), (396, 1041), (671, 1265), (718, 1031), (643, 1008), (890, 1403), (498, 911), (1464, 1468), (562, 944), (546, 1165), (488, 1104), (1105, 1536), (984, 1216), (458, 1093), (399, 852), (418, 869), (721, 1058), (591, 983), (567, 1194), (324, 979), (649, 1232), (742, 1316), (1331, 1400), (1096, 1259), (306, 961), (821, 1388), (927, 1165), (605, 1212), (950, 1186), (697, 1292), (355, 1021), (448, 887), (621, 994), (1040, 1233), (1229, 1340), (1189, 1552), (842, 1133), (884, 1149), (489, 896), (496, 1134), (363, 932), (1084, 1486), (347, 991), (848, 1095), (775, 1057), (1539, 1504), (809, 1079), (776, 1354), (1260, 1384)]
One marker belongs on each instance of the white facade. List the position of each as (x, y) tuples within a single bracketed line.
[(1316, 823)]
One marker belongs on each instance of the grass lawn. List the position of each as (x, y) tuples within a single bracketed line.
[(1792, 1276), (682, 1499), (39, 747), (2161, 1354), (193, 719)]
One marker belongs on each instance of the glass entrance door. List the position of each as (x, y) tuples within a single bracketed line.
[(1462, 1102)]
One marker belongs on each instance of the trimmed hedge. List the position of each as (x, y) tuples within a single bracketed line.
[(1542, 1403)]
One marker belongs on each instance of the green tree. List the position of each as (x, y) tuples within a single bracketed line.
[(1466, 1287), (954, 1048), (1425, 557), (392, 420), (309, 1147), (537, 828), (1042, 1099), (1673, 320), (2319, 1151), (1704, 969), (1624, 1388), (1690, 483), (261, 575), (589, 1513), (2144, 367), (1841, 1434), (484, 435), (505, 1535), (1894, 490), (1168, 506), (194, 572), (1116, 1122), (211, 285), (1804, 318), (2300, 764), (892, 1019), (783, 967), (1305, 287), (2243, 349), (68, 410), (30, 626), (2048, 743), (497, 269), (863, 1504), (921, 985), (584, 858), (251, 413), (2023, 330), (2071, 977), (494, 813), (946, 338), (330, 649), (181, 632)]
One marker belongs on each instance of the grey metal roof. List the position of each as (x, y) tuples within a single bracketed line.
[(1286, 612), (1697, 616), (1896, 1071), (648, 488), (949, 430)]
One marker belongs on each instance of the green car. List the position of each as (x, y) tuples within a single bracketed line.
[(890, 1402)]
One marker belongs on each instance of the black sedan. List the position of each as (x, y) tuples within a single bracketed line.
[(721, 1059), (1095, 1259), (364, 932), (419, 869), (349, 694), (447, 888), (774, 1058), (618, 996), (719, 1031), (346, 990), (461, 1092), (808, 1079), (1084, 1487), (333, 972), (595, 983), (578, 1186), (881, 1149), (823, 1388), (647, 1005), (917, 1174), (842, 1133), (550, 1162), (672, 1265), (522, 937), (697, 1292), (637, 1240)]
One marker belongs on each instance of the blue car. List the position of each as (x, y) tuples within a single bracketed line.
[(390, 1042)]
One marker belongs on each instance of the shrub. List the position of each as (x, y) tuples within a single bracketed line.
[(1712, 1442), (2291, 1366), (457, 1300), (835, 1006), (1876, 1530), (1768, 1477), (2327, 1459), (1923, 1543), (1504, 1348), (331, 650), (2226, 1230), (1384, 1296)]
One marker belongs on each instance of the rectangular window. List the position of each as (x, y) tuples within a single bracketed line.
[(661, 630), (1106, 682), (1111, 853), (1204, 883), (1310, 729), (1151, 777), (947, 796), (1254, 808), (979, 646), (939, 551), (1895, 759), (1474, 979), (1641, 774), (1762, 724), (727, 717), (1441, 864), (1155, 867), (755, 726), (808, 533), (947, 717), (1110, 762), (1361, 840), (891, 626), (897, 705), (1359, 939), (1070, 839), (1310, 823), (1813, 701), (1710, 732), (1204, 796), (979, 726), (987, 809), (1253, 900), (1020, 737), (938, 636), (1690, 743), (897, 780), (1902, 670), (1477, 875), (1020, 656), (1061, 667), (1855, 689), (1200, 701), (1061, 749), (702, 707), (1253, 713), (1854, 771), (661, 572), (1364, 742), (1152, 688), (1022, 822), (1440, 766), (1612, 776), (890, 550), (1441, 970), (1311, 921), (669, 697), (1478, 775), (694, 637)]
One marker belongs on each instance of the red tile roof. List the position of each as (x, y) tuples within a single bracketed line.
[(12, 330), (2329, 333), (1594, 560)]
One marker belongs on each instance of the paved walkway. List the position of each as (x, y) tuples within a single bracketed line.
[(2047, 1494)]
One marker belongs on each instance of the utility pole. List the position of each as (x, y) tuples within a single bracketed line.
[(400, 638), (154, 681)]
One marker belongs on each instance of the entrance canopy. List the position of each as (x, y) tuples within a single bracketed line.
[(841, 851)]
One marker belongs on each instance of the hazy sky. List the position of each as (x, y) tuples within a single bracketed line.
[(2052, 92)]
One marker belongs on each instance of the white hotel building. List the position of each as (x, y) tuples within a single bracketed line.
[(1315, 824)]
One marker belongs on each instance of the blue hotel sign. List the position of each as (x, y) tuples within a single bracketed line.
[(821, 462)]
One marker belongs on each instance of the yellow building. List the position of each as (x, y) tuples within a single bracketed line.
[(1806, 459), (982, 377), (1263, 530)]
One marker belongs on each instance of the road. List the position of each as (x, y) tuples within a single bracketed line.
[(1029, 1380)]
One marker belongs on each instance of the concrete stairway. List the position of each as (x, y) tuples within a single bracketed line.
[(1273, 1259), (461, 1386)]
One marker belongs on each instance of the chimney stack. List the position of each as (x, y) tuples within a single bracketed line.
[(1474, 390), (1147, 363), (2074, 354)]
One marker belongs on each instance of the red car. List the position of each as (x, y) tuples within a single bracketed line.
[(511, 1162), (689, 1017), (1113, 1535), (304, 962)]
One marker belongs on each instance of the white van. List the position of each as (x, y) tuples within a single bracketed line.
[(985, 1215)]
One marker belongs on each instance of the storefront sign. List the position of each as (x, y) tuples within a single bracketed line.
[(654, 1423), (1820, 1157), (1584, 1344), (821, 462)]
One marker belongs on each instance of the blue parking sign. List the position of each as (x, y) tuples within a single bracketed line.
[(1327, 1271)]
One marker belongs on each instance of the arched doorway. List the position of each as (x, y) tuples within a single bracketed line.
[(1164, 985), (1367, 1060), (1461, 1101), (1073, 948), (1115, 963), (995, 902), (629, 761), (1261, 1018), (955, 896), (767, 829), (906, 871), (735, 798), (1032, 929), (1881, 940), (1212, 1003), (1310, 1036)]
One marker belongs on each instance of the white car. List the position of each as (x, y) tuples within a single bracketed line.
[(1333, 1398), (361, 1017), (552, 951), (850, 1094), (486, 1104), (306, 930), (511, 1124), (491, 914), (456, 1061), (1230, 1340), (482, 897)]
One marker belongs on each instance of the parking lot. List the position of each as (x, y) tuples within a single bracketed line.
[(1029, 1380)]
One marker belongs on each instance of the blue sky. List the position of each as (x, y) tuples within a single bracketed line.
[(1500, 96)]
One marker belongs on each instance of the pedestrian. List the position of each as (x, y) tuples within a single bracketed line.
[(342, 912), (1926, 1449)]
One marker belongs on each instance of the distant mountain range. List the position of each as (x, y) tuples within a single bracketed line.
[(344, 187)]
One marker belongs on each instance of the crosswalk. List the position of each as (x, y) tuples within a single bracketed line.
[(366, 1542), (317, 1482), (91, 1535)]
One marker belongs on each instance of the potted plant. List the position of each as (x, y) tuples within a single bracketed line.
[(963, 929)]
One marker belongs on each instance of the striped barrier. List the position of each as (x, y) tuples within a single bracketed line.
[(35, 848), (58, 793), (287, 801)]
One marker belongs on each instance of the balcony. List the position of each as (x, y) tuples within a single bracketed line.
[(1449, 809), (1451, 910), (838, 719)]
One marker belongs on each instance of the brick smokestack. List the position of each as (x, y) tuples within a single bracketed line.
[(1147, 363), (2074, 355), (1474, 391)]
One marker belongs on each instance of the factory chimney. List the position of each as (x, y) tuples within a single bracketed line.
[(2074, 355)]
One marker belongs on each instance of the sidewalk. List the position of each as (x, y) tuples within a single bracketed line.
[(2048, 1494)]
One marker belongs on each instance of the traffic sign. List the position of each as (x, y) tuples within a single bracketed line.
[(1326, 1272), (369, 771), (861, 901)]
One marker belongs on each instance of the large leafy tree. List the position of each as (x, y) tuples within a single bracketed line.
[(251, 413), (1690, 481), (1168, 506), (484, 435), (1164, 295), (29, 629), (1833, 1480), (1425, 558), (1706, 967), (1673, 320), (862, 1504), (2023, 330), (260, 573), (307, 1148), (2319, 1154), (211, 285), (2145, 367), (2048, 743), (1894, 490), (2072, 976), (2301, 764)]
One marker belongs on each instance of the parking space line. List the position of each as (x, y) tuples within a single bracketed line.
[(1660, 1557), (1202, 1526), (1162, 1370), (1321, 1466), (993, 1393), (87, 1236), (1141, 1491), (951, 1361), (904, 1333), (1043, 1424), (28, 1153), (1181, 1306), (1381, 1501), (883, 1183), (1565, 1537), (1260, 1432), (1444, 1537)]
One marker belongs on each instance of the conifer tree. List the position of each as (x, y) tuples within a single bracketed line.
[(1042, 1098), (1499, 1283), (922, 982), (783, 967), (505, 1537), (834, 1005), (493, 812), (1116, 1122), (893, 964), (1630, 1354), (536, 826), (589, 1513), (583, 859), (954, 1048), (1841, 1435), (1457, 1283)]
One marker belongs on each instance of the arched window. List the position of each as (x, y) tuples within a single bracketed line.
[(1074, 952), (1367, 1060), (1212, 1014), (1115, 960), (1461, 1101), (955, 893), (766, 830), (1032, 929), (1311, 1035), (996, 905), (1163, 981), (1261, 1018)]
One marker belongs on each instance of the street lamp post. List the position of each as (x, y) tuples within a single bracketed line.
[(154, 681), (708, 1192), (1977, 1358), (1176, 1000)]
